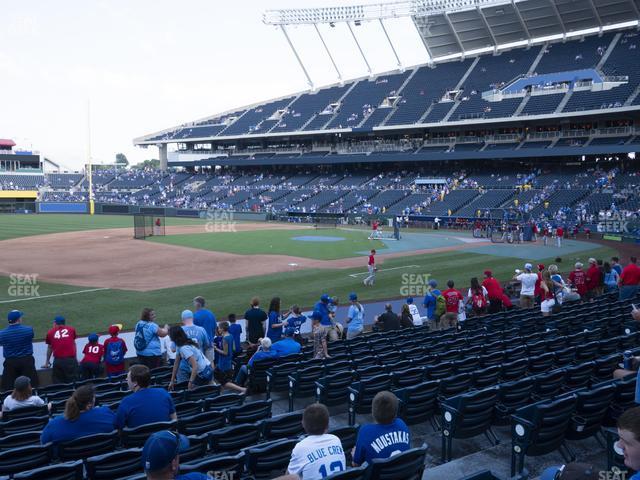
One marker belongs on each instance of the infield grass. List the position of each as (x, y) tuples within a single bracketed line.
[(279, 242)]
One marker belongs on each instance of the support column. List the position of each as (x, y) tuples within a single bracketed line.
[(295, 52), (328, 52), (393, 49), (355, 39), (162, 156)]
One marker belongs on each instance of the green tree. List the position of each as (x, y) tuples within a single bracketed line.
[(152, 163), (121, 159)]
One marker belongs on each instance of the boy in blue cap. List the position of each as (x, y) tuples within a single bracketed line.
[(161, 457)]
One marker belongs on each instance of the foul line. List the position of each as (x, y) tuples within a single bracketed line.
[(54, 295), (354, 275)]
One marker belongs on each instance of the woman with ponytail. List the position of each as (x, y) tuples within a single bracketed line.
[(81, 418)]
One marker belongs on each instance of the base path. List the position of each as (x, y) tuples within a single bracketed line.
[(111, 258)]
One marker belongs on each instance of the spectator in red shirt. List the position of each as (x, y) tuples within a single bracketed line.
[(114, 351), (61, 343), (537, 292), (494, 291), (578, 279), (93, 353), (452, 299), (629, 280), (593, 279)]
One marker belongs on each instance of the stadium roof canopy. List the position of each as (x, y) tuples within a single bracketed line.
[(7, 143), (457, 27)]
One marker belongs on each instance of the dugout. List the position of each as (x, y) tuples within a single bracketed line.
[(18, 201), (146, 225)]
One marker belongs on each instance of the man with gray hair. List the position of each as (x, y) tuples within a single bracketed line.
[(195, 333)]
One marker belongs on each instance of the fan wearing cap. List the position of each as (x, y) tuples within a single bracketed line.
[(61, 343), (322, 307), (17, 345), (161, 457), (115, 349), (355, 317), (93, 353), (528, 281), (286, 346)]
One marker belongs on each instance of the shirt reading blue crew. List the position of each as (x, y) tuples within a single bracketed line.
[(235, 329), (150, 331), (274, 333), (286, 346), (381, 441), (96, 420), (17, 341), (206, 319), (147, 405)]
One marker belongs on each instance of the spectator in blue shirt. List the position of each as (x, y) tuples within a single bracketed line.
[(224, 369), (144, 405), (235, 329), (430, 299), (294, 319), (355, 317), (323, 307), (161, 457), (80, 418), (206, 319), (274, 330), (286, 346), (150, 333), (264, 351), (196, 334), (383, 439), (17, 343)]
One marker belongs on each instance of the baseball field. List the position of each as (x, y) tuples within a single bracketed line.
[(92, 271)]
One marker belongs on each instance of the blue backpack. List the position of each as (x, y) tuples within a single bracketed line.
[(140, 340), (114, 355)]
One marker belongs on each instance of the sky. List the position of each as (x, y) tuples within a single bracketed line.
[(136, 67)]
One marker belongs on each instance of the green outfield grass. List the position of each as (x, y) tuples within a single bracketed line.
[(15, 226), (94, 311), (279, 242)]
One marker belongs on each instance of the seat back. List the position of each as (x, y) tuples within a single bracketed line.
[(551, 420), (549, 384), (19, 439), (408, 465), (541, 363), (407, 377), (224, 401), (357, 473), (419, 402), (257, 380), (487, 376), (578, 376), (591, 411), (25, 424), (185, 409), (288, 425), (250, 412), (118, 464), (335, 389), (369, 387), (514, 370), (198, 445), (202, 422), (439, 370), (234, 438), (306, 378), (231, 465), (135, 437), (455, 384), (202, 392), (88, 446), (348, 436), (25, 458), (475, 412), (278, 376), (25, 412), (270, 459), (61, 471)]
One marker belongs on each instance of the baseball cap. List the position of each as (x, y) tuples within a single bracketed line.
[(592, 260), (353, 297), (433, 283), (186, 314), (114, 329), (14, 315), (488, 273), (410, 300), (59, 320), (21, 382), (541, 266), (325, 298), (93, 337), (316, 315), (161, 448), (528, 266)]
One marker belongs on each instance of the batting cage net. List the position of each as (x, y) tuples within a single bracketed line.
[(148, 226)]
